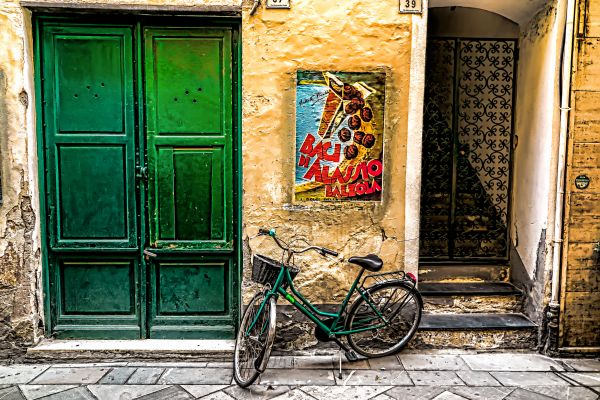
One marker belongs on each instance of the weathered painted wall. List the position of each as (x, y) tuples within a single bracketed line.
[(19, 223), (533, 180), (350, 36), (580, 294), (346, 36)]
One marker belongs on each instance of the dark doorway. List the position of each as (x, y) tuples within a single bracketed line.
[(467, 146)]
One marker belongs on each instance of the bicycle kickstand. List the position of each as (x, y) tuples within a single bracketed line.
[(350, 354)]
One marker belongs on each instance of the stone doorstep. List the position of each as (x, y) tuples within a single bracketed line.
[(468, 289), (198, 350), (476, 321)]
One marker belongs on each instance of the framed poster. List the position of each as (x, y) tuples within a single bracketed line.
[(339, 136)]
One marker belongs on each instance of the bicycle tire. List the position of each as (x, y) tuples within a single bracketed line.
[(404, 323), (246, 371)]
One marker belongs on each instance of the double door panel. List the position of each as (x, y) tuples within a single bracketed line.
[(138, 143)]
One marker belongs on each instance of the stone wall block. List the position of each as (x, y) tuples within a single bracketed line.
[(586, 155), (583, 327), (588, 65), (586, 126)]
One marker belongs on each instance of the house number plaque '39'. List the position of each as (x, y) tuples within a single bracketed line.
[(411, 6), (278, 3)]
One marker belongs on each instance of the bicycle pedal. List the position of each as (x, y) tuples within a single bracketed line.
[(351, 355), (258, 362)]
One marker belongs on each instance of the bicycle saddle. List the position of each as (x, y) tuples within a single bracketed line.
[(370, 262)]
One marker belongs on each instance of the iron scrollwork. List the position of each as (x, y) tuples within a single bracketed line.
[(468, 123)]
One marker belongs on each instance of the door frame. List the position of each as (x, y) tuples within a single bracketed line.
[(474, 260), (156, 19)]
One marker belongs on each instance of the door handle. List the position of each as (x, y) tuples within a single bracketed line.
[(148, 254), (141, 172)]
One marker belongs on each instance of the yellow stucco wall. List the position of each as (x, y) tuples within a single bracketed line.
[(345, 36)]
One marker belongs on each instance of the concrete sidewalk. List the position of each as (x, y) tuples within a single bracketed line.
[(416, 375)]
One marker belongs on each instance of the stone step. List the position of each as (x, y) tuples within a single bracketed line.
[(470, 297), (468, 289), (476, 331), (143, 349), (462, 272), (480, 321)]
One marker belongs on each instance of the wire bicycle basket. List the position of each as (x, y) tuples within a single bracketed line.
[(265, 270)]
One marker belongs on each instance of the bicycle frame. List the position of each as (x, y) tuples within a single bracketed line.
[(312, 312)]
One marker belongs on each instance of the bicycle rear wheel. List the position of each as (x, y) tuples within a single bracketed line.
[(253, 346), (399, 305)]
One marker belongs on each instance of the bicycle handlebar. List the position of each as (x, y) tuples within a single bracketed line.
[(330, 252), (321, 250)]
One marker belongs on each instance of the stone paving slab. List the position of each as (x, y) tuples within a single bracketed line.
[(529, 379), (344, 392), (256, 392), (583, 364), (15, 374), (78, 393), (564, 393), (448, 396), (145, 376), (414, 392), (384, 363), (524, 394), (373, 378), (314, 362), (114, 392), (170, 393), (428, 363), (197, 376), (435, 378), (11, 393), (482, 392), (33, 392), (511, 362), (60, 375), (295, 394), (382, 397), (477, 378), (218, 396), (297, 377), (117, 376), (202, 390), (585, 378)]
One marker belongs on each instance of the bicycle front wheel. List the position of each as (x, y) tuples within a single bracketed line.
[(387, 330), (253, 343)]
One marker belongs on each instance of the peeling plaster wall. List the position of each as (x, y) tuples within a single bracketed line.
[(19, 240), (347, 36), (534, 164)]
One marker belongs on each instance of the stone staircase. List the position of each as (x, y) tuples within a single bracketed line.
[(472, 307)]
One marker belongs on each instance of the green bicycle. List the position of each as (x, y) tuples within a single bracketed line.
[(381, 320)]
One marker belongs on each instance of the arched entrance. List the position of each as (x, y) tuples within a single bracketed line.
[(468, 134)]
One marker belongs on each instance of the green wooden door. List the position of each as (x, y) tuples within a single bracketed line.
[(190, 189), (103, 128)]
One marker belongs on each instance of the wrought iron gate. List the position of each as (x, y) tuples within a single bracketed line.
[(467, 148)]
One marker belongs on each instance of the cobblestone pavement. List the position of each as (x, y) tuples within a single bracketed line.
[(424, 375)]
